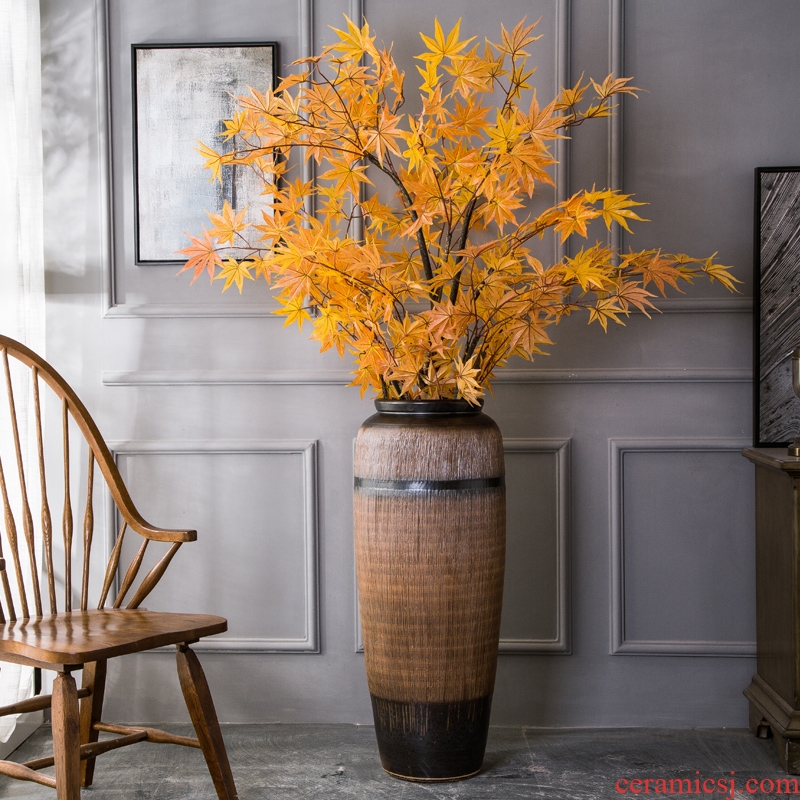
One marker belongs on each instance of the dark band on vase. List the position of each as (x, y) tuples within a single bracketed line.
[(375, 484)]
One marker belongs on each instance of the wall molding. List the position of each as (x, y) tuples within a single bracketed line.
[(707, 305), (616, 66), (104, 154), (561, 148), (562, 643), (138, 378), (666, 305), (619, 644), (305, 11), (623, 375), (197, 310), (356, 12), (307, 448), (530, 375)]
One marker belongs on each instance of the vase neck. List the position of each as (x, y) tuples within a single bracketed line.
[(424, 407)]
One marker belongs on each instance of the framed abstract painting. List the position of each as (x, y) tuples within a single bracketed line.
[(776, 304), (182, 94)]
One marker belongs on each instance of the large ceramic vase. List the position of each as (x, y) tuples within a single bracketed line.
[(430, 555)]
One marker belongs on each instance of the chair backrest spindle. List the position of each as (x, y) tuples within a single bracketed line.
[(3, 571), (88, 532), (130, 575), (47, 522), (27, 518), (153, 577), (112, 566), (66, 520), (11, 533)]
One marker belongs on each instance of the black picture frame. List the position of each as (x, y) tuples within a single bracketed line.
[(182, 93), (776, 304)]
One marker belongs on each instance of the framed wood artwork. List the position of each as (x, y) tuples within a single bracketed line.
[(182, 94), (776, 304)]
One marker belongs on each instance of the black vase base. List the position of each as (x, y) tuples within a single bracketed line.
[(431, 742)]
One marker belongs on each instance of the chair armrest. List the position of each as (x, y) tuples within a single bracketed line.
[(144, 528)]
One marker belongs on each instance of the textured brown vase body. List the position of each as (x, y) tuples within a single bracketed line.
[(430, 555)]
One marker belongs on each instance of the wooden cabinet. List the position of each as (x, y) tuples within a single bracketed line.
[(774, 692)]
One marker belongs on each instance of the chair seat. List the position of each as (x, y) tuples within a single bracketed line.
[(80, 637)]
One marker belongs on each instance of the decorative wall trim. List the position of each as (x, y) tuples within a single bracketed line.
[(307, 448), (226, 378), (531, 375), (562, 643), (305, 10), (561, 148), (104, 171), (616, 66), (563, 48), (357, 12), (619, 644), (202, 310), (622, 375), (668, 305), (708, 305)]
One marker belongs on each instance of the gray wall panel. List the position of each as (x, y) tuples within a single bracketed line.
[(536, 613), (264, 507), (682, 548)]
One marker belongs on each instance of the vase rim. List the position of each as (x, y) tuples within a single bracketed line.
[(427, 407)]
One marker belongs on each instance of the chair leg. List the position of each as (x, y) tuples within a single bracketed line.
[(66, 737), (204, 718), (94, 679)]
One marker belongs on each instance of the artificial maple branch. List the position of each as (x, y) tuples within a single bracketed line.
[(457, 227)]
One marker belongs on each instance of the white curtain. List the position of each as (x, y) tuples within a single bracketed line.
[(21, 248)]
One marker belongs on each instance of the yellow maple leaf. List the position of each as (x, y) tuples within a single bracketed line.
[(234, 271), (606, 309), (589, 268), (383, 136), (294, 310), (227, 225), (576, 213), (347, 175), (439, 46), (617, 208), (512, 43), (430, 77), (465, 374), (504, 133), (720, 273), (355, 42), (213, 161), (471, 74)]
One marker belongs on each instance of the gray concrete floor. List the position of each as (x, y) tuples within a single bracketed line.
[(328, 762)]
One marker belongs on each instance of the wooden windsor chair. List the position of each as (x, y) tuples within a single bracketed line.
[(57, 636)]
